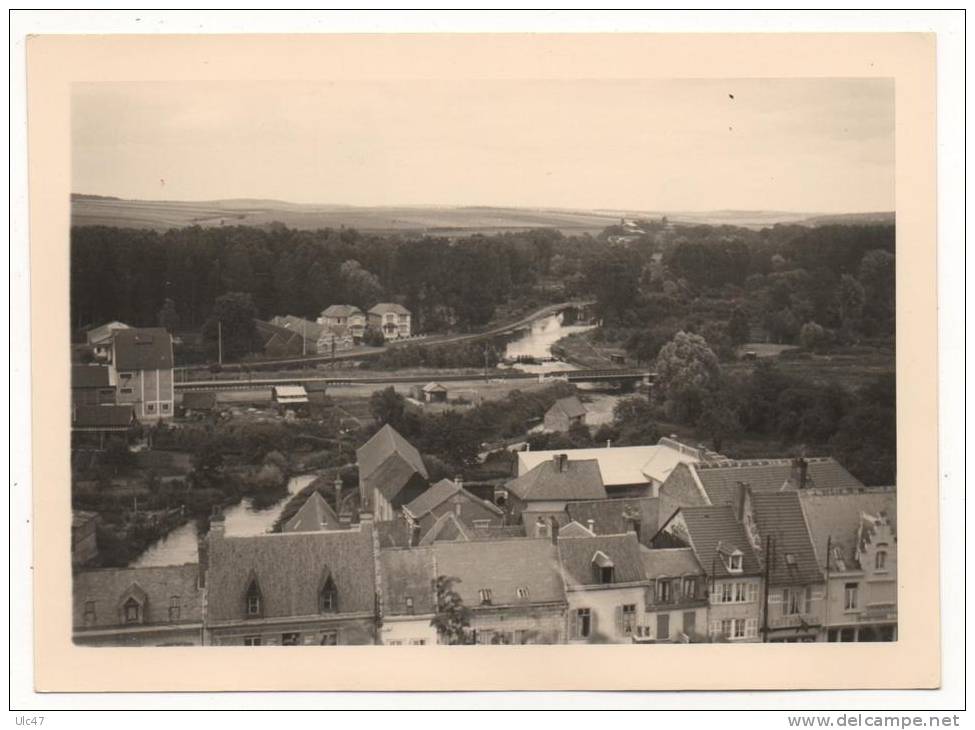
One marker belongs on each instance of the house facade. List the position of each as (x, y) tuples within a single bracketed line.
[(292, 589), (605, 587), (677, 597), (449, 497), (153, 606), (543, 492), (141, 367), (393, 320), (408, 599), (343, 320), (855, 536), (91, 385), (512, 589)]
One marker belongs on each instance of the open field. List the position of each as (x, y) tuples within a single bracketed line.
[(418, 220)]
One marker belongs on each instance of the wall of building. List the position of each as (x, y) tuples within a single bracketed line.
[(189, 635), (348, 631), (522, 624), (750, 610), (407, 630), (150, 392), (691, 620), (603, 605), (556, 421)]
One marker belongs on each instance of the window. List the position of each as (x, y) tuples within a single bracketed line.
[(409, 605), (165, 407), (734, 562), (689, 588), (174, 608), (584, 623), (741, 592), (628, 618), (663, 591), (851, 596), (290, 639), (522, 592), (880, 559), (132, 610), (328, 598), (252, 641), (253, 599), (738, 630), (150, 407), (606, 574), (89, 613), (485, 594), (418, 642), (791, 601), (481, 523), (663, 626), (329, 638), (727, 628), (125, 391), (726, 595)]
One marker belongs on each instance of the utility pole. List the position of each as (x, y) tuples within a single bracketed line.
[(829, 548), (219, 343), (768, 566), (302, 337)]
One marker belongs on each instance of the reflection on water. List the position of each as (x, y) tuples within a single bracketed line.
[(537, 340), (242, 519)]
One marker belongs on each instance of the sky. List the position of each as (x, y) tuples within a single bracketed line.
[(802, 145)]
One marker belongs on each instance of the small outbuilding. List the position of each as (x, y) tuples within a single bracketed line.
[(565, 413), (431, 393)]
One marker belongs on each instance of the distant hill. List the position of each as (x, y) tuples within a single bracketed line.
[(850, 219), (106, 210)]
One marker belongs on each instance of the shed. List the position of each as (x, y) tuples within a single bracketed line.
[(434, 393), (289, 395)]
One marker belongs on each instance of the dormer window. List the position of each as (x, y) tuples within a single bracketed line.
[(132, 610), (409, 605), (522, 592), (734, 562), (880, 559), (485, 594), (253, 599), (603, 568), (328, 598)]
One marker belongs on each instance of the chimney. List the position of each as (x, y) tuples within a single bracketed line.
[(741, 493), (609, 443), (800, 470), (414, 535), (591, 524), (338, 494), (541, 529), (459, 481), (561, 461), (217, 523)]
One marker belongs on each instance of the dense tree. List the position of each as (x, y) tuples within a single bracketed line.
[(388, 407), (686, 369), (231, 327), (813, 337), (738, 327), (168, 317), (452, 619)]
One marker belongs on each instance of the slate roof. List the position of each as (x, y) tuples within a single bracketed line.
[(341, 310), (579, 480), (571, 407), (607, 514), (447, 528), (102, 333), (109, 588), (669, 562), (269, 332), (620, 465), (779, 515), (314, 514), (408, 573), (90, 376), (713, 529), (384, 307), (290, 568), (502, 567), (143, 348), (769, 475), (439, 493), (107, 417), (199, 400), (576, 555), (835, 516)]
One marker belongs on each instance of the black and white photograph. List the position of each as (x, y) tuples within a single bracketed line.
[(483, 362)]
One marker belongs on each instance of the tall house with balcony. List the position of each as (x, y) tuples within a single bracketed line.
[(141, 367), (393, 320), (854, 533)]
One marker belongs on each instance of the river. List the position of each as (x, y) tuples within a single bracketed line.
[(242, 519), (536, 341)]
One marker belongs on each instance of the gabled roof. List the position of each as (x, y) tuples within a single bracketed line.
[(502, 567), (387, 442), (793, 560), (720, 478), (669, 562), (199, 400), (287, 567), (547, 482), (713, 529), (341, 310), (103, 333), (608, 515), (432, 387), (384, 307), (408, 574), (834, 517), (314, 514), (497, 532), (290, 393), (90, 376), (447, 528), (577, 556), (143, 348), (574, 529), (108, 416), (107, 588), (571, 407), (302, 327), (439, 493)]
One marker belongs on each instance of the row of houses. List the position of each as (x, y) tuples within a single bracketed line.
[(338, 328), (774, 550)]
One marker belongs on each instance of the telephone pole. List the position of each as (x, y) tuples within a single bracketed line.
[(219, 343), (768, 566)]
